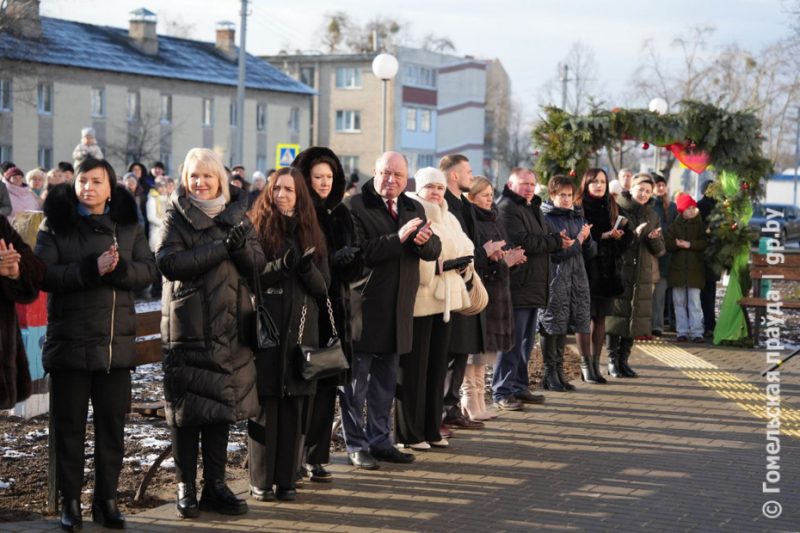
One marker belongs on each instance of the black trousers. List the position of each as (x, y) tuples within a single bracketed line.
[(420, 382), (456, 369), (322, 409), (71, 391), (708, 299), (185, 442), (274, 438)]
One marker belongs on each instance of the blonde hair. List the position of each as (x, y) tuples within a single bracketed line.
[(32, 173), (643, 177), (211, 160), (478, 185)]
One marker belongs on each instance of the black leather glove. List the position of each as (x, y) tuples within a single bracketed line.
[(289, 259), (457, 264), (235, 239), (304, 264), (344, 256)]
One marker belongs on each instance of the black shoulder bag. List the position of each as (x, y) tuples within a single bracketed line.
[(266, 333), (318, 363)]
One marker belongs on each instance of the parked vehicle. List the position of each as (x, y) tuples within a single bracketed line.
[(787, 216)]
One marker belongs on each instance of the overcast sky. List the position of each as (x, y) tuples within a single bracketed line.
[(529, 37)]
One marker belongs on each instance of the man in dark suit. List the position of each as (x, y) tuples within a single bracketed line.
[(393, 235)]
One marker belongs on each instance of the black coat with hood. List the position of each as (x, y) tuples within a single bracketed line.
[(527, 229), (604, 270), (286, 291), (337, 227), (383, 305), (209, 373), (91, 319)]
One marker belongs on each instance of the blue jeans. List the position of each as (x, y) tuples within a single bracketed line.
[(374, 382), (511, 369), (688, 312)]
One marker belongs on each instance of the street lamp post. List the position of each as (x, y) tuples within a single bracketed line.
[(660, 106), (796, 156), (385, 67)]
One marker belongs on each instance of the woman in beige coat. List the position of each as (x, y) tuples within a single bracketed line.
[(442, 290)]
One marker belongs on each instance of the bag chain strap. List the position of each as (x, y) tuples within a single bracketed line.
[(303, 320)]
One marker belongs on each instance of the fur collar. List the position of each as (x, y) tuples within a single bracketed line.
[(303, 163), (61, 208)]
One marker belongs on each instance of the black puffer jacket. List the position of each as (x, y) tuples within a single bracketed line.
[(209, 374), (527, 229), (91, 318), (603, 270), (568, 310), (496, 278), (285, 293), (337, 226), (633, 309)]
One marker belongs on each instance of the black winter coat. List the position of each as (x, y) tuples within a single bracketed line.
[(91, 319), (633, 309), (526, 228), (337, 227), (468, 333), (568, 310), (383, 306), (496, 276), (604, 269), (688, 267), (285, 294), (209, 373)]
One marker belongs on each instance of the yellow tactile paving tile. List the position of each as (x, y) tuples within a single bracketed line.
[(744, 394)]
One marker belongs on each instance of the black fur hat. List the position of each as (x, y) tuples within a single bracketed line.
[(305, 161)]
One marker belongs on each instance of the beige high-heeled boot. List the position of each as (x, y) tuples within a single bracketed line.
[(473, 394), (479, 378)]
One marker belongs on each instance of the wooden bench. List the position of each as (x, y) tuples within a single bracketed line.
[(789, 270)]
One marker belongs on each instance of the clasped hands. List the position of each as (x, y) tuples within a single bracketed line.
[(423, 233), (9, 260)]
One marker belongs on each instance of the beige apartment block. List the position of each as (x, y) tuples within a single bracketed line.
[(148, 97)]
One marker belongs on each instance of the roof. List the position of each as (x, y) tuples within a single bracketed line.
[(76, 44), (369, 56)]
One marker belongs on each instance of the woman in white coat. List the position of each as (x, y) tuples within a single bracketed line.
[(442, 290)]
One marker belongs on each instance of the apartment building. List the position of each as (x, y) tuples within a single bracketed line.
[(149, 97)]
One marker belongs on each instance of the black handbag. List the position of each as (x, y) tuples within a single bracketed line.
[(265, 331), (318, 363)]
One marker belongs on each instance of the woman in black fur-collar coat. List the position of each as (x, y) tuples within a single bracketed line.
[(325, 177), (96, 255)]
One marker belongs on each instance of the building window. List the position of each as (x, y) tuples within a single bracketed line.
[(98, 103), (411, 119), (307, 76), (208, 111), (45, 99), (6, 153), (425, 120), (348, 78), (261, 164), (234, 114), (261, 117), (166, 158), (420, 76), (133, 106), (424, 160), (348, 121), (46, 157), (350, 163), (294, 120), (166, 108), (5, 97)]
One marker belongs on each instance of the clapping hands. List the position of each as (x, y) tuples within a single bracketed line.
[(9, 260), (108, 261), (515, 257)]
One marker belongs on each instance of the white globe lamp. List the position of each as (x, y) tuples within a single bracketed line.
[(385, 67), (657, 105)]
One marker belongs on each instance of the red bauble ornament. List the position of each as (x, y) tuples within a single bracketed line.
[(735, 226), (615, 110), (694, 145), (536, 152), (572, 173), (588, 152), (745, 186), (645, 146), (616, 148), (759, 136)]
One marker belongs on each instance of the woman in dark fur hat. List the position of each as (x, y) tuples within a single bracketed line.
[(324, 174), (96, 255)]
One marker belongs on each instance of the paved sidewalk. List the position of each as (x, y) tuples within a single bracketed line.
[(682, 448)]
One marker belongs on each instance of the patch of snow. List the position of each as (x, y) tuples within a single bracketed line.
[(151, 442), (14, 454), (37, 434), (234, 446), (5, 484)]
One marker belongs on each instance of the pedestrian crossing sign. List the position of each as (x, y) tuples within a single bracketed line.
[(285, 154)]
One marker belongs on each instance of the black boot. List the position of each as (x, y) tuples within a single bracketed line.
[(107, 513), (596, 366), (561, 344), (217, 497), (587, 370), (613, 355), (71, 519), (186, 503), (551, 381), (625, 346)]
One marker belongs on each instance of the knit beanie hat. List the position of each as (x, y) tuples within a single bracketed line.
[(426, 176), (13, 171), (87, 131), (685, 202)]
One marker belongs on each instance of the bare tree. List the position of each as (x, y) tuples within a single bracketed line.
[(438, 44), (143, 139), (176, 26), (335, 26), (19, 26), (582, 83)]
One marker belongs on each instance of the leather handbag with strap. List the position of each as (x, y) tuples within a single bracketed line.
[(319, 363), (478, 297), (264, 333)]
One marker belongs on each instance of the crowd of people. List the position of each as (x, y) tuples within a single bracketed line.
[(309, 288)]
